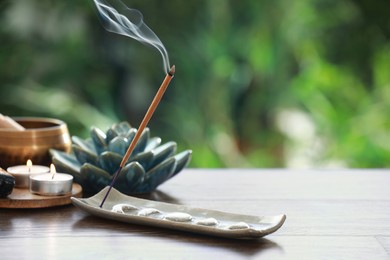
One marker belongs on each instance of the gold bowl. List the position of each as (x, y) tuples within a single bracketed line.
[(40, 135)]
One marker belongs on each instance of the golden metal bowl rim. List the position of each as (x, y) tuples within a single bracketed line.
[(58, 126)]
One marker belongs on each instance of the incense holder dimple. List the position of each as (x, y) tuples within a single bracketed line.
[(94, 161)]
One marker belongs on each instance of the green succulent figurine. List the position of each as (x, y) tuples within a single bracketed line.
[(94, 161)]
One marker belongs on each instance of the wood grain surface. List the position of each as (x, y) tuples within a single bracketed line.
[(338, 214)]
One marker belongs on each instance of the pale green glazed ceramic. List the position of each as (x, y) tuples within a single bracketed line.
[(133, 210)]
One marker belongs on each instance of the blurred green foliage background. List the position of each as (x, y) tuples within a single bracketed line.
[(258, 84)]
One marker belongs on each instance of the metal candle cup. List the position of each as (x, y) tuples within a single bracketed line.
[(22, 174), (46, 185)]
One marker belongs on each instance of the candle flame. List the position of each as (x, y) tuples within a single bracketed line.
[(29, 165), (52, 170)]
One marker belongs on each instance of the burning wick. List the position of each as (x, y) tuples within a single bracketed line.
[(52, 171), (145, 120), (29, 165)]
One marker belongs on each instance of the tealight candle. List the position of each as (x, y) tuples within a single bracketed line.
[(50, 184), (22, 173)]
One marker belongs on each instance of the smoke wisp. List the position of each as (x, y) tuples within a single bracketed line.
[(129, 22)]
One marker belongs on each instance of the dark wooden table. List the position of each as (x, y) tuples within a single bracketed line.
[(331, 214)]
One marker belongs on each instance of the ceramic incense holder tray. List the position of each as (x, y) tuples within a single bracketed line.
[(132, 210)]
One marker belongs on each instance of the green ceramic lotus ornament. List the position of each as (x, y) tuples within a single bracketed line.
[(94, 161)]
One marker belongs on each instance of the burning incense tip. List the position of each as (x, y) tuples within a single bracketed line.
[(172, 71)]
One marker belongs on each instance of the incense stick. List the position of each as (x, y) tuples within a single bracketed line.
[(145, 121)]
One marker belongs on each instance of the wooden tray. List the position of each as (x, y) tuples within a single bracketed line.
[(23, 199)]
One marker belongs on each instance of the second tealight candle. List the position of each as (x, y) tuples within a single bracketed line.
[(51, 184)]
